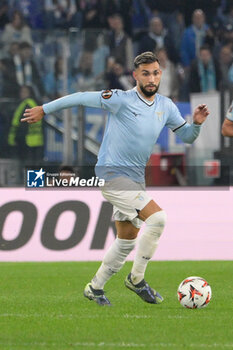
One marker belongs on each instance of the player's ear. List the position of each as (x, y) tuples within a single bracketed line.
[(134, 75)]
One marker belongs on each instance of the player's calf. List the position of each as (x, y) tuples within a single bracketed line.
[(147, 244), (113, 261)]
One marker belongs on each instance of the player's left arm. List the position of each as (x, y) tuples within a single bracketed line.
[(190, 132), (200, 114), (187, 132)]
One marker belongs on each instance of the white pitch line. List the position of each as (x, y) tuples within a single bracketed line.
[(71, 316), (76, 316), (169, 316), (156, 345), (125, 345)]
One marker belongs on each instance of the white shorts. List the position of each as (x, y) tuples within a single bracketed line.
[(127, 197)]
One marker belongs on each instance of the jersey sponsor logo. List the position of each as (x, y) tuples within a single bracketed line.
[(106, 94)]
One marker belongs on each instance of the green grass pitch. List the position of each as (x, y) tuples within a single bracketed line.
[(42, 307)]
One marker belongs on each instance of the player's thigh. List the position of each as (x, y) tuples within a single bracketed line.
[(126, 230), (127, 202), (148, 210)]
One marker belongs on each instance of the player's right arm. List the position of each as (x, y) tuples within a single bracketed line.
[(109, 100), (88, 99), (227, 126)]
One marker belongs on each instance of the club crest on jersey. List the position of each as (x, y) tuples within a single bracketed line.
[(106, 94), (160, 115), (140, 197)]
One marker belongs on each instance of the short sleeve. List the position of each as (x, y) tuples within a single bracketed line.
[(229, 114), (174, 120), (111, 100)]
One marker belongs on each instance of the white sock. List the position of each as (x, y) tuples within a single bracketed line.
[(113, 261), (147, 244)]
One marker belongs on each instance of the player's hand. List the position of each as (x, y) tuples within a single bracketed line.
[(200, 114), (33, 115)]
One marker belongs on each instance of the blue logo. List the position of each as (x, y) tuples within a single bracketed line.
[(35, 178)]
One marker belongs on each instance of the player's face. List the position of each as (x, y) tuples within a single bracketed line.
[(148, 78)]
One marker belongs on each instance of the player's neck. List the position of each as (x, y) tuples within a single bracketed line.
[(148, 98)]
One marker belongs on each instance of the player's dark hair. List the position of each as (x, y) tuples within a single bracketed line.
[(145, 58)]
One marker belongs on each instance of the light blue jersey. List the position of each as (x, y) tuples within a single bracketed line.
[(229, 114), (132, 129)]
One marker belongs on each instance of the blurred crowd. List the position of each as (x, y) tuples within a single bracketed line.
[(193, 41), (50, 48)]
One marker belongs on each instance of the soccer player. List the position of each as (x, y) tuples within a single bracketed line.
[(136, 118), (227, 126)]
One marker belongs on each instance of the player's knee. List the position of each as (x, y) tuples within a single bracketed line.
[(156, 222), (130, 235), (127, 231)]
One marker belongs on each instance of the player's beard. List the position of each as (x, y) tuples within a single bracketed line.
[(149, 93)]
